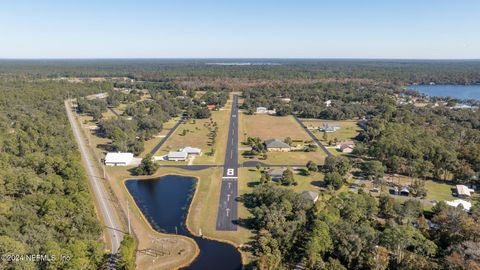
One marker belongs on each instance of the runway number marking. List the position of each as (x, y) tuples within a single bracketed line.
[(230, 172)]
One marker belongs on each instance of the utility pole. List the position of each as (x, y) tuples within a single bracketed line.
[(128, 218)]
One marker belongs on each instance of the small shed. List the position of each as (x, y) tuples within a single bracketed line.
[(404, 191)]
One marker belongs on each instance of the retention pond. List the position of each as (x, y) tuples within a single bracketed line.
[(165, 202)]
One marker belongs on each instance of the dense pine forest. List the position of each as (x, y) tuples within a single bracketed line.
[(45, 204)]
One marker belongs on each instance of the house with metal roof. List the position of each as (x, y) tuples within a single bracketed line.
[(276, 173), (455, 203), (118, 159), (182, 154), (311, 195), (464, 191), (177, 156)]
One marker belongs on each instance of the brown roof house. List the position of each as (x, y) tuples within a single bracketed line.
[(276, 173), (345, 146), (275, 145)]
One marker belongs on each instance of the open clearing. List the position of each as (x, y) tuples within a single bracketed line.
[(348, 129), (270, 127), (195, 133), (280, 127)]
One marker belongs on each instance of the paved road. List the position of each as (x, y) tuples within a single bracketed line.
[(228, 208), (106, 210), (313, 137), (114, 112), (250, 164), (164, 139), (191, 167)]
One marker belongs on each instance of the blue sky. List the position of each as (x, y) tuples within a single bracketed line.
[(240, 29)]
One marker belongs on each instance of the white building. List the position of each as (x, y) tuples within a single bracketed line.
[(192, 150), (464, 191), (455, 203), (177, 156), (183, 154), (328, 103), (118, 159), (263, 110)]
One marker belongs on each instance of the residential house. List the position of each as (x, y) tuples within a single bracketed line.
[(118, 159), (183, 153), (329, 127), (263, 110), (346, 149), (463, 191), (328, 103), (344, 145), (177, 156), (275, 145), (276, 173), (192, 150), (310, 195), (455, 203)]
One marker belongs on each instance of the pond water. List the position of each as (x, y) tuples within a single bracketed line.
[(165, 202), (448, 90)]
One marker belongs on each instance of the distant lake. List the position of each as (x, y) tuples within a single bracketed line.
[(447, 90)]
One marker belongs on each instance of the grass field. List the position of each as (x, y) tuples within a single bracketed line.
[(288, 158), (196, 135), (249, 178), (269, 127), (348, 129)]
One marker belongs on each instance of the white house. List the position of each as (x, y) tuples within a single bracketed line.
[(328, 103), (455, 203), (344, 144), (118, 159), (177, 156), (464, 191), (192, 150), (183, 153), (263, 110)]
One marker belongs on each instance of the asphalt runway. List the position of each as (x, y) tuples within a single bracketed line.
[(228, 209)]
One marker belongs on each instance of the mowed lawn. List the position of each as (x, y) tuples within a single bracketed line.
[(197, 135), (348, 129), (270, 127), (276, 127)]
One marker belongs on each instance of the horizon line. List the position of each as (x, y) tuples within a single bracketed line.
[(239, 58)]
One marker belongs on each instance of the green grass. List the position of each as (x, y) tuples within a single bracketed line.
[(438, 191), (289, 158)]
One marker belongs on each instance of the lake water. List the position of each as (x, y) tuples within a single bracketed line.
[(456, 91), (165, 202)]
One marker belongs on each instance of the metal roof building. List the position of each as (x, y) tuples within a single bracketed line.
[(118, 159)]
